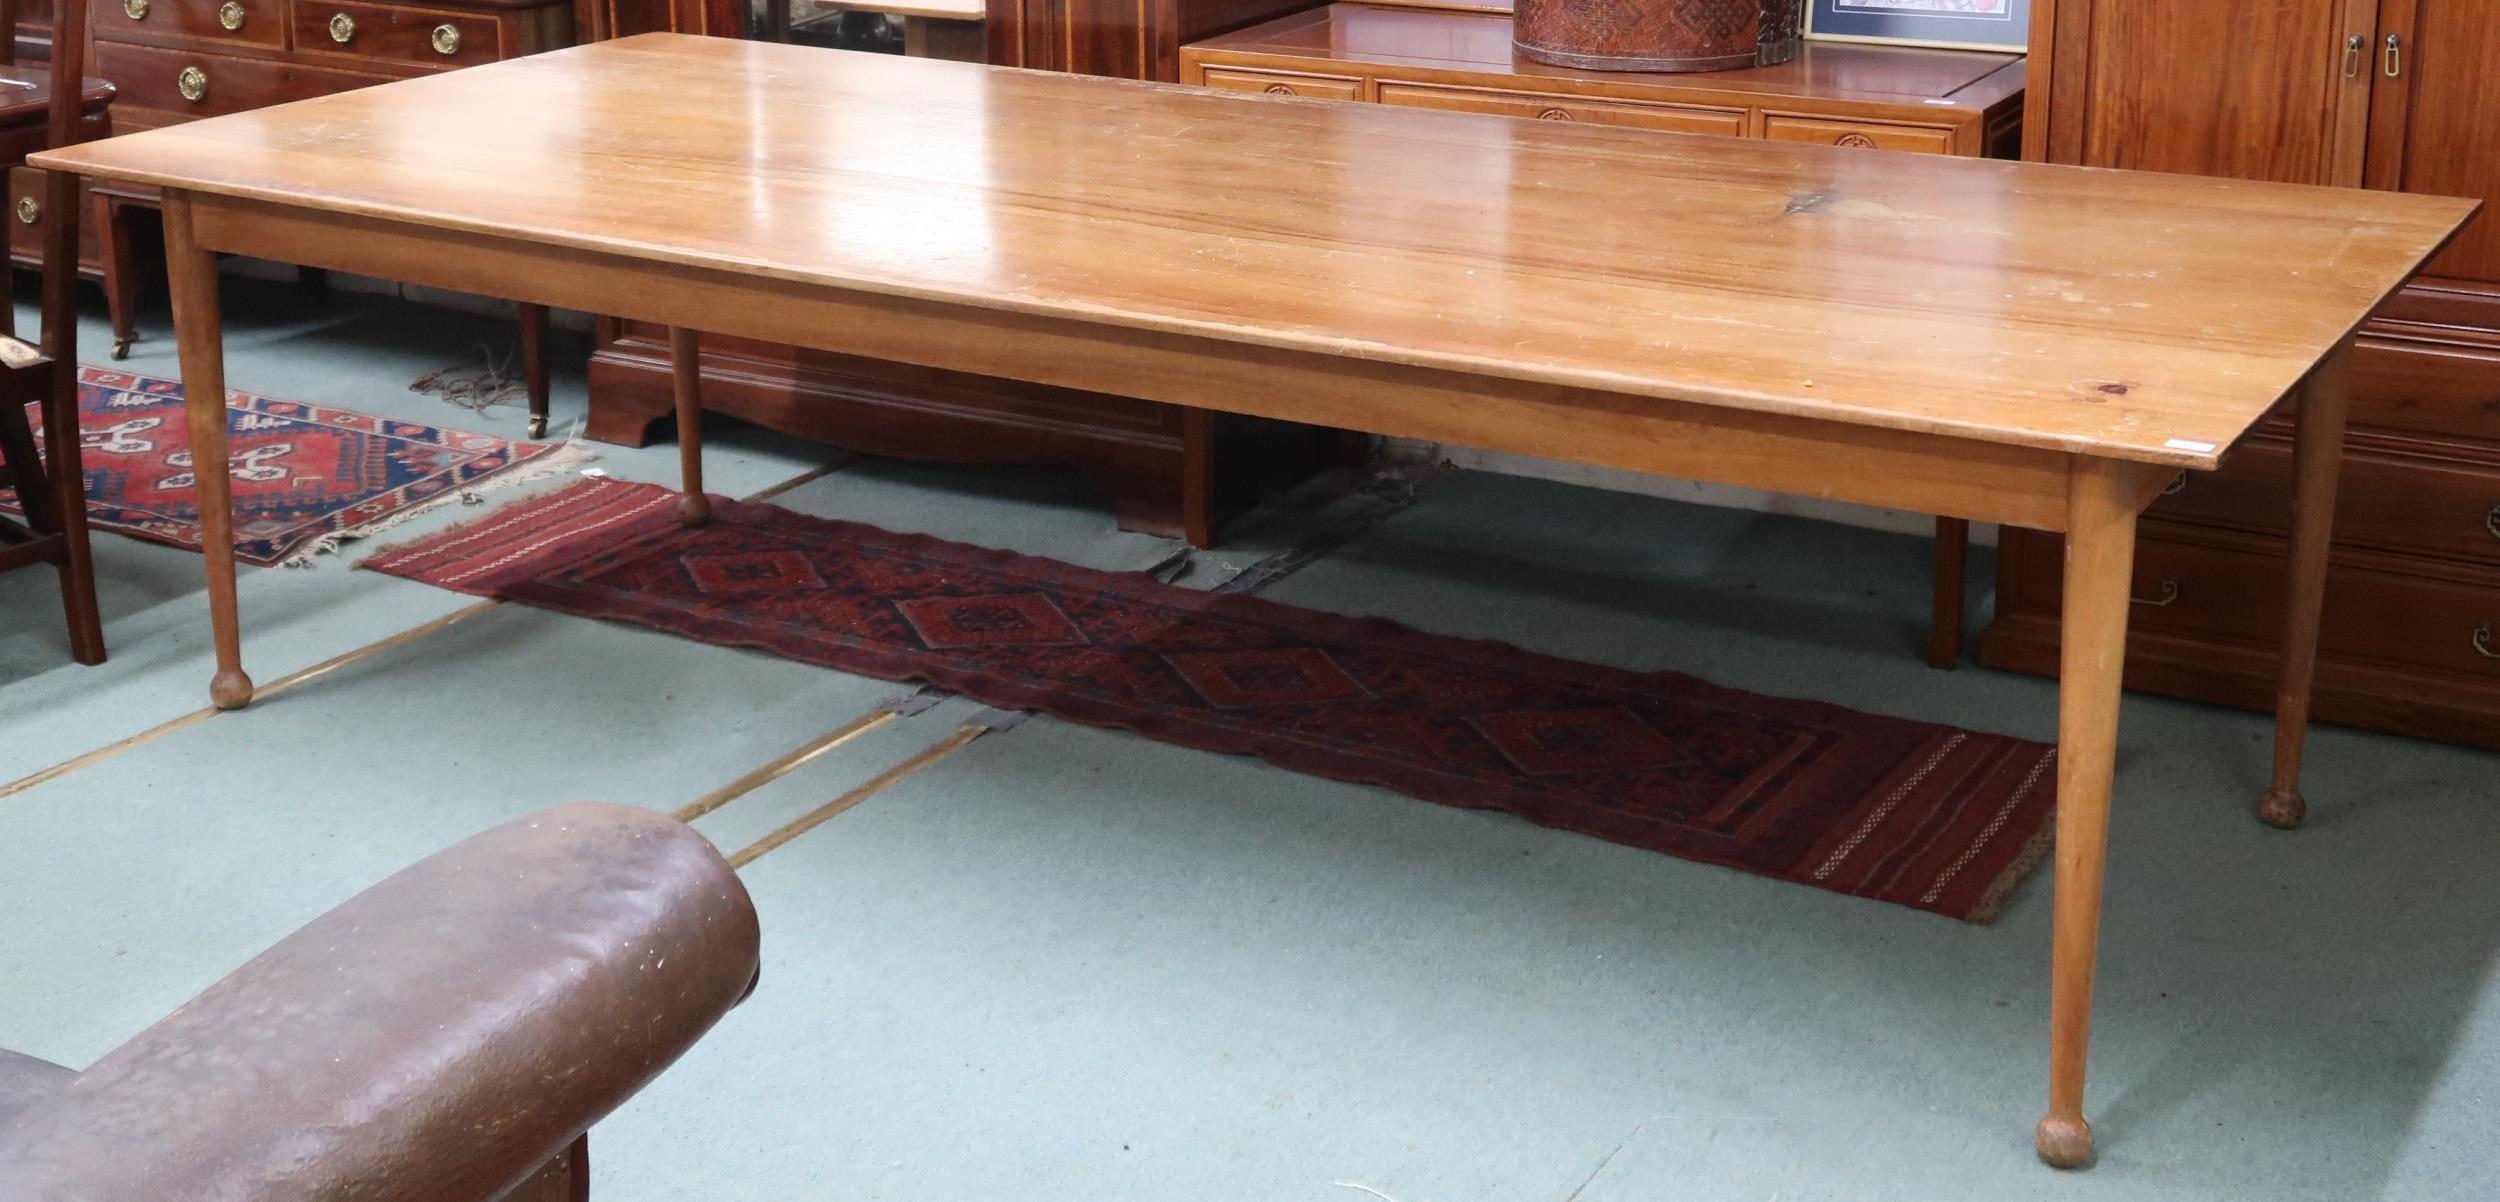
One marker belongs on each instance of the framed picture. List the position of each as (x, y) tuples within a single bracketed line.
[(2003, 25)]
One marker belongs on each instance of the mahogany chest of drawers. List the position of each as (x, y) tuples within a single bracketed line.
[(175, 60), (179, 60), (1884, 97)]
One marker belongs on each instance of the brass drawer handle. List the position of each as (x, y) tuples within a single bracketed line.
[(192, 83), (2482, 641), (2176, 486), (1554, 115), (2353, 47), (1858, 140), (2395, 55), (2169, 594), (230, 15), (342, 29), (136, 10), (1277, 89), (29, 210), (2491, 521), (446, 39)]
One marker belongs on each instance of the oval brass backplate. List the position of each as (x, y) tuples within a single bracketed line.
[(192, 83), (342, 29), (446, 39), (29, 210), (230, 15)]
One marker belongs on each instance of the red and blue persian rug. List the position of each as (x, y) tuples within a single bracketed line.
[(306, 477), (1910, 812)]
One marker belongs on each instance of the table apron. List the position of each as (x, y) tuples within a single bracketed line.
[(1936, 473)]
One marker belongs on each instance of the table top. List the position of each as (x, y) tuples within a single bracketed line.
[(2117, 314)]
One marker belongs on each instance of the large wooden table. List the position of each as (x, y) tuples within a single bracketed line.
[(2042, 346)]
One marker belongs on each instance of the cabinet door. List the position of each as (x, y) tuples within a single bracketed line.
[(2435, 122), (2259, 89)]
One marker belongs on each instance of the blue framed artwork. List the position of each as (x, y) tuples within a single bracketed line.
[(1976, 24)]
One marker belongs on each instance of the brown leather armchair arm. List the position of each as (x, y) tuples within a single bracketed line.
[(435, 1039)]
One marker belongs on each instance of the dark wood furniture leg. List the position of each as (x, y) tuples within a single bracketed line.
[(2317, 459), (114, 245), (199, 336), (686, 374), (534, 364), (1944, 621)]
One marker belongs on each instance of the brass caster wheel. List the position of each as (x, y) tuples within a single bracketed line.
[(121, 347), (538, 427)]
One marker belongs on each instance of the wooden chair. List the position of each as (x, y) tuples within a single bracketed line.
[(56, 106)]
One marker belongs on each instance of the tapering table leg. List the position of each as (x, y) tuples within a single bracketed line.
[(533, 322), (200, 338), (1949, 569), (2317, 459), (685, 354), (2100, 563)]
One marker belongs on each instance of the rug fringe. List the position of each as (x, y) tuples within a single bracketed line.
[(566, 458)]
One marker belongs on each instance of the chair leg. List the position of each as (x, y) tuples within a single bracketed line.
[(563, 1179), (67, 477), (114, 245), (17, 448), (1944, 629)]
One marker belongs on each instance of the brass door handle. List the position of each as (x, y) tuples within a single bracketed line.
[(2169, 594), (446, 39), (230, 15), (192, 83), (2352, 55), (342, 28), (2395, 55), (2482, 641)]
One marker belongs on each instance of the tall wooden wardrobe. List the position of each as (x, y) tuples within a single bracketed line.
[(2400, 94)]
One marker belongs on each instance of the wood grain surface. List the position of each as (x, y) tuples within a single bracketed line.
[(2111, 314)]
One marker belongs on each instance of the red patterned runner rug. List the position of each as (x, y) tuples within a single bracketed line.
[(306, 477), (1910, 812)]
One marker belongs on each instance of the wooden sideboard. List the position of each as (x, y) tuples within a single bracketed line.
[(1893, 98), (1164, 472), (179, 60), (2395, 94)]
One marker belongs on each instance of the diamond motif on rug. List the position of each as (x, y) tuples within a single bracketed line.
[(1576, 740), (750, 575), (1909, 812), (1286, 676), (306, 477), (998, 620)]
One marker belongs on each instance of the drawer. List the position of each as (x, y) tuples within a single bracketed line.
[(390, 35), (1920, 139), (27, 219), (2428, 388), (207, 85), (1546, 107), (2234, 594), (1285, 83), (192, 23), (2389, 502)]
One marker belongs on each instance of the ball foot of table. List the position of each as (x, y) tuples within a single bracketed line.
[(230, 689), (694, 509), (2283, 809), (2064, 1143)]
